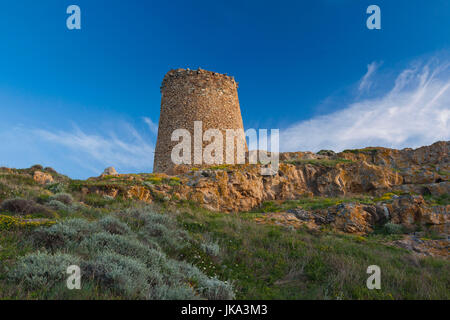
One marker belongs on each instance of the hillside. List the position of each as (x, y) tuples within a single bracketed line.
[(309, 231)]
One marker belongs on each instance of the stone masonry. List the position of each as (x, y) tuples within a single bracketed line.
[(195, 95)]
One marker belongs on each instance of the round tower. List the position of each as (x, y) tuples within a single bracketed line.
[(195, 95)]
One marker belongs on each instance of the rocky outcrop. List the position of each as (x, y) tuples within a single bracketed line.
[(110, 171), (409, 211), (42, 177), (370, 171), (422, 246)]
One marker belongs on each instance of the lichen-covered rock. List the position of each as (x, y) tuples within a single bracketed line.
[(412, 210), (110, 171), (42, 177)]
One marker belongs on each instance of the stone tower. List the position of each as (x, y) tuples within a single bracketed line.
[(195, 95)]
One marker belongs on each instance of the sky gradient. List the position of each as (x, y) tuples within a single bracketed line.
[(82, 100)]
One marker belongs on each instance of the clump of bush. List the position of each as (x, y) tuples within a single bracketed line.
[(124, 275), (211, 248), (156, 227), (64, 235), (393, 228), (50, 170), (120, 253), (215, 289), (57, 187), (65, 198), (36, 167), (59, 206), (41, 270), (126, 246), (114, 226), (24, 207)]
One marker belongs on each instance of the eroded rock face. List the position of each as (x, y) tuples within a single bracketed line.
[(372, 171), (423, 246), (409, 211)]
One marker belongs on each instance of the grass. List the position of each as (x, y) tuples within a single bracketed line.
[(442, 200), (330, 163), (444, 173), (179, 251), (369, 151), (271, 262), (308, 203)]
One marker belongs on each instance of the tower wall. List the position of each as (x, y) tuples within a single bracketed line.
[(195, 95)]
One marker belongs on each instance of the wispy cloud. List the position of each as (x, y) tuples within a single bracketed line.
[(366, 82), (151, 125), (414, 112), (105, 150), (125, 148)]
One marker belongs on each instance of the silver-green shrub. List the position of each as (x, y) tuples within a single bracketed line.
[(59, 206), (211, 248), (121, 274), (65, 198), (123, 245), (392, 228), (114, 226), (66, 234), (42, 270)]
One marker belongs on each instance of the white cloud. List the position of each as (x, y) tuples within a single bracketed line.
[(366, 82), (151, 125), (76, 152), (414, 112), (94, 150)]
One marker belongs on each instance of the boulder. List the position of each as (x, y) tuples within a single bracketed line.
[(110, 171), (42, 177)]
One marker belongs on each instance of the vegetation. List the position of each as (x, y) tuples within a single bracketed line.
[(131, 250), (368, 151), (309, 203), (442, 200), (124, 260), (272, 262), (319, 162)]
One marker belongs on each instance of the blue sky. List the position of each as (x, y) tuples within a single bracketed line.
[(82, 100)]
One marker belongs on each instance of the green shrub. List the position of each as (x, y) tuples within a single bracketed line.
[(56, 187), (36, 167), (165, 292), (165, 237), (211, 248), (43, 198), (42, 270), (66, 234), (155, 227), (392, 228), (123, 275), (59, 206), (65, 198), (215, 289), (123, 245), (96, 200), (24, 207), (114, 226), (124, 260)]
